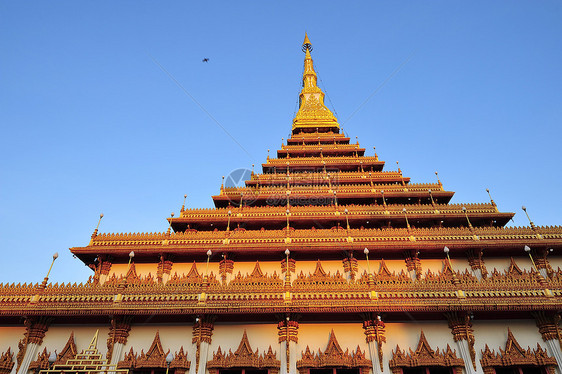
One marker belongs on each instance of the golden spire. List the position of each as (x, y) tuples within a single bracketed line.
[(312, 113), (306, 44)]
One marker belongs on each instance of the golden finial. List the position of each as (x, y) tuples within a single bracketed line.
[(44, 284), (170, 225), (306, 44), (97, 227), (491, 200), (406, 216), (222, 185), (209, 253), (529, 218), (446, 250), (183, 205), (438, 181), (431, 197), (383, 199), (252, 170), (467, 219), (528, 250)]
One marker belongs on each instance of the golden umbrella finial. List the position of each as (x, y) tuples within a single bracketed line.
[(306, 44)]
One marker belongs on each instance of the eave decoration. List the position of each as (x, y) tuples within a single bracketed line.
[(244, 357), (333, 356), (425, 356), (515, 355)]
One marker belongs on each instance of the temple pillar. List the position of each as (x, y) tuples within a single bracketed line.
[(226, 268), (477, 264), (202, 333), (164, 269), (413, 264), (375, 337), (350, 267), (463, 334), (35, 329), (548, 324), (117, 338), (288, 339), (105, 267)]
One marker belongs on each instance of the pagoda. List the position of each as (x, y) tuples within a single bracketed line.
[(323, 263)]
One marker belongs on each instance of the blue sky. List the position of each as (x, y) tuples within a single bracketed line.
[(90, 123)]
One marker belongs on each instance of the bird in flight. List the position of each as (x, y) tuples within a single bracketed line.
[(205, 59)]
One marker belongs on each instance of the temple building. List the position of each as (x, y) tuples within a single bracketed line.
[(322, 263)]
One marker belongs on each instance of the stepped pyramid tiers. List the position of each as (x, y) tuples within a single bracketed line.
[(323, 263)]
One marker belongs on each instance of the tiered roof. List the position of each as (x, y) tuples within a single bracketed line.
[(321, 198), (323, 194)]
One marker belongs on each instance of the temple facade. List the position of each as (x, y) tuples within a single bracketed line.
[(323, 263)]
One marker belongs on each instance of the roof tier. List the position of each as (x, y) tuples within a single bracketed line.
[(325, 178), (308, 243), (331, 216), (326, 195)]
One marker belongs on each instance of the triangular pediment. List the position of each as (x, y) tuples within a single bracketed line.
[(514, 269), (131, 275), (257, 273), (512, 346), (155, 349), (244, 348), (243, 357), (68, 352), (155, 357), (514, 353), (425, 356), (383, 270), (447, 269), (423, 348), (319, 271), (193, 273), (333, 347)]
